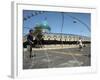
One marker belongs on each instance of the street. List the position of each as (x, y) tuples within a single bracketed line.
[(57, 58)]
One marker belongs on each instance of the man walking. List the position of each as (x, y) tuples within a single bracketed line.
[(30, 42), (80, 44)]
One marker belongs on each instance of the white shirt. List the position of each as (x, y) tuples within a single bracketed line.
[(80, 42)]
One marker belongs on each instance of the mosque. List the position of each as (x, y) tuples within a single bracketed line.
[(58, 38)]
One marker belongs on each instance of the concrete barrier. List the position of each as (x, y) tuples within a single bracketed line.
[(60, 46)]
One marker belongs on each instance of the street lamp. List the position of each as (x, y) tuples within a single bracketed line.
[(62, 13)]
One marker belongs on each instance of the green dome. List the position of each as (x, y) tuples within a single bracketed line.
[(45, 25)]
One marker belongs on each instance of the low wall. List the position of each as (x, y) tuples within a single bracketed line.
[(49, 47), (60, 46)]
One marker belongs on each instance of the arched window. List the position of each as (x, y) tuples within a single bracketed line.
[(48, 37), (55, 37)]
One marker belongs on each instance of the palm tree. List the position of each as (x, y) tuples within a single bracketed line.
[(38, 35)]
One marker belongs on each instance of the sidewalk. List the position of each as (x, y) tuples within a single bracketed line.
[(50, 47)]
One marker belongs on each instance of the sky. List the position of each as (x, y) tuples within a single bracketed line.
[(70, 25)]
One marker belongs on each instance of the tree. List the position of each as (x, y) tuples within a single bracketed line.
[(38, 35)]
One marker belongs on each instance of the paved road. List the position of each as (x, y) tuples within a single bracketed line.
[(56, 58)]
